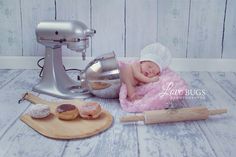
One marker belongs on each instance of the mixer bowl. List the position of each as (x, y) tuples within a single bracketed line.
[(101, 77)]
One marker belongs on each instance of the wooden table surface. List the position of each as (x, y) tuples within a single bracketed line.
[(213, 137)]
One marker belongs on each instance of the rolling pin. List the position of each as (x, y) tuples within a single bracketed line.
[(173, 115)]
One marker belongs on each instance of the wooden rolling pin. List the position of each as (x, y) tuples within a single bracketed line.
[(173, 115)]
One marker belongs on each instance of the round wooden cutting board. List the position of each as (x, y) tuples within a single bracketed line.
[(53, 127)]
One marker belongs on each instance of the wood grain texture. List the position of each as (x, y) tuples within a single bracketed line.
[(227, 81), (10, 28), (22, 141), (119, 140), (10, 94), (229, 49), (55, 128), (32, 13), (190, 28), (108, 20), (176, 139), (205, 28), (7, 75), (220, 131), (74, 10), (10, 133), (141, 25), (172, 25), (213, 137)]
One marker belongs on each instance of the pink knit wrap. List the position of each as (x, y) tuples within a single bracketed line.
[(157, 95)]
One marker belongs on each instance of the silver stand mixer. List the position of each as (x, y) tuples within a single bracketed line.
[(54, 34)]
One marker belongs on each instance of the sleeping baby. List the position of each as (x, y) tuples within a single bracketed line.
[(154, 59)]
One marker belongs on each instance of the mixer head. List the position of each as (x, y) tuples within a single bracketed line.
[(74, 34)]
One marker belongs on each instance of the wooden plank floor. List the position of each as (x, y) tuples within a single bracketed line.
[(213, 137)]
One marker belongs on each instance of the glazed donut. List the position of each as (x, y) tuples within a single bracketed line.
[(38, 111), (90, 110), (67, 112)]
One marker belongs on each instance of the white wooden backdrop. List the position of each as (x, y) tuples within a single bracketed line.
[(190, 28)]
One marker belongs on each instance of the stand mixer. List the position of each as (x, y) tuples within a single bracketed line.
[(54, 34)]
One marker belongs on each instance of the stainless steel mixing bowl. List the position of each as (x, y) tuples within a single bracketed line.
[(102, 76)]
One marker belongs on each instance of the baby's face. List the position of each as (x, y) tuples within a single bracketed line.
[(149, 69)]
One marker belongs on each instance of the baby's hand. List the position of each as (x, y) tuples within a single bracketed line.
[(155, 78)]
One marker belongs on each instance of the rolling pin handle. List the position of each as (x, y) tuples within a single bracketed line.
[(132, 118), (217, 111)]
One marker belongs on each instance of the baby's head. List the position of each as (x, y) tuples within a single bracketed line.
[(149, 68), (154, 58)]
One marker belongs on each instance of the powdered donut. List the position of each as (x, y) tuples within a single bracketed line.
[(38, 111)]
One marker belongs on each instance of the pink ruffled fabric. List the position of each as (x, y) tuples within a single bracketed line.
[(157, 95)]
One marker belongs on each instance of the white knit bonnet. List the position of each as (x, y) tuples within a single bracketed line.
[(156, 53)]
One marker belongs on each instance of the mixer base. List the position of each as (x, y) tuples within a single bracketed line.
[(69, 93), (55, 81)]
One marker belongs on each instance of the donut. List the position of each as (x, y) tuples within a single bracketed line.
[(67, 112), (90, 110), (38, 111)]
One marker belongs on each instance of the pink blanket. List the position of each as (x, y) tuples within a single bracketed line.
[(157, 95)]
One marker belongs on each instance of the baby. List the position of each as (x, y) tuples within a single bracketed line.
[(154, 58)]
